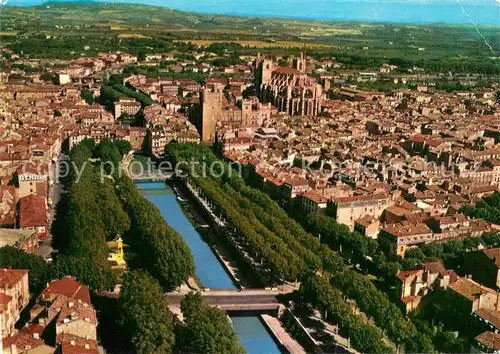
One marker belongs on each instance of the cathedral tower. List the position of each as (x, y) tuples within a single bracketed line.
[(267, 68), (300, 63)]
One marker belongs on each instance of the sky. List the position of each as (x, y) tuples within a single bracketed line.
[(403, 11)]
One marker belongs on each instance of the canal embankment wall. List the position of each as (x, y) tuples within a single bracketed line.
[(273, 325), (222, 233)]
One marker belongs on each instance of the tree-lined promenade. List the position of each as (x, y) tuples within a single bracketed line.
[(335, 249), (288, 252), (95, 210)]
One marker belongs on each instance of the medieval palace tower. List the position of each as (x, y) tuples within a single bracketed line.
[(217, 111), (211, 106), (289, 89)]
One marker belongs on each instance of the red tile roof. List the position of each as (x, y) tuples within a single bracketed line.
[(27, 338), (71, 344), (360, 198), (470, 289), (404, 274), (493, 254), (68, 348), (40, 169), (287, 70), (434, 267), (453, 276), (366, 220), (69, 287), (32, 211), (70, 310), (9, 277), (402, 230), (489, 339), (493, 317)]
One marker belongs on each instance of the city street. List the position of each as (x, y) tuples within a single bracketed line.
[(55, 189)]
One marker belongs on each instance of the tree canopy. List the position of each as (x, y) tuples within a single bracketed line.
[(144, 315), (87, 216), (39, 272), (160, 249), (364, 337), (487, 208), (88, 96), (285, 251), (207, 329)]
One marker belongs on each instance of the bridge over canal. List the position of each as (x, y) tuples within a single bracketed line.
[(236, 300), (153, 176)]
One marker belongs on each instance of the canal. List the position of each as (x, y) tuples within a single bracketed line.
[(251, 331)]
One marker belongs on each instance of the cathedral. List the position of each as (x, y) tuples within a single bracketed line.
[(289, 89)]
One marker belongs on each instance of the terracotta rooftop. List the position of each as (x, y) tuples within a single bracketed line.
[(405, 274), (452, 219), (32, 211), (360, 198), (492, 317), (70, 310), (434, 267), (469, 289), (69, 287), (71, 344), (40, 169), (296, 182), (27, 338), (489, 339), (315, 197), (401, 230), (493, 254), (286, 70), (366, 220), (9, 277)]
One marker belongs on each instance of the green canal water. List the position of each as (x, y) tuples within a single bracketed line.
[(251, 331)]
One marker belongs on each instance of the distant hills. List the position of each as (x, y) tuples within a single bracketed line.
[(400, 11), (70, 1)]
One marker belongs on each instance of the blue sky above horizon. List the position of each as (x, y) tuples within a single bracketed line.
[(402, 11)]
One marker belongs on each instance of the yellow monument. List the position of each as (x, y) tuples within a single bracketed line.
[(116, 256)]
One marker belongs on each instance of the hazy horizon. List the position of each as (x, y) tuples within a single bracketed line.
[(409, 11)]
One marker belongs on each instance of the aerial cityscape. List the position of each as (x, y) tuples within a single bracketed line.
[(249, 177)]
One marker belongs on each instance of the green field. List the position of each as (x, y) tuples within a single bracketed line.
[(72, 30)]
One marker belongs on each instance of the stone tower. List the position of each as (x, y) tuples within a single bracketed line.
[(211, 101), (300, 63), (267, 68), (246, 112)]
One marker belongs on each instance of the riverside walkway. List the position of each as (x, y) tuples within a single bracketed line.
[(205, 204), (290, 344)]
